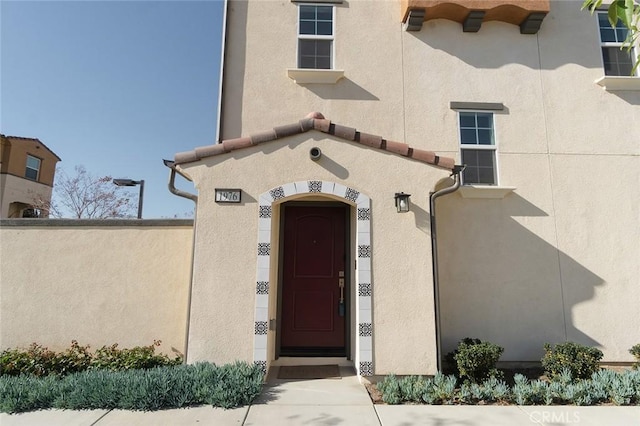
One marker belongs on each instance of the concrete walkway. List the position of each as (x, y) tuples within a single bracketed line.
[(334, 402)]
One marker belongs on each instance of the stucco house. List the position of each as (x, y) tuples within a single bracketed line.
[(389, 177), (27, 171), (300, 249)]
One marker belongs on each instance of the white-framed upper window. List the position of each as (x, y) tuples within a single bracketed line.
[(478, 147), (315, 36), (33, 168), (616, 61)]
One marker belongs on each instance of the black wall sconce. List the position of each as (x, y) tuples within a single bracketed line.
[(402, 202)]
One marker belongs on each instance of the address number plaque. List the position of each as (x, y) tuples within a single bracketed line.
[(225, 195)]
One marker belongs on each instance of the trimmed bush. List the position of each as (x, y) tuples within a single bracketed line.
[(581, 361), (166, 387), (635, 351), (475, 360)]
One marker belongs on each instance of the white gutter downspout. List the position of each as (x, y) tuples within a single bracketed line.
[(194, 198), (434, 255)]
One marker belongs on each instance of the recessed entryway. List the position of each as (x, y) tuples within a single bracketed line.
[(358, 326)]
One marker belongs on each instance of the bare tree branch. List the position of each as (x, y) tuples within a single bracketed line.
[(83, 196)]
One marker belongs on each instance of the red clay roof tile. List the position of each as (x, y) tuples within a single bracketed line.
[(316, 121), (344, 132), (233, 144), (373, 141), (398, 148)]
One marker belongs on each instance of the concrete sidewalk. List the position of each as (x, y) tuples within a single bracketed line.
[(342, 401)]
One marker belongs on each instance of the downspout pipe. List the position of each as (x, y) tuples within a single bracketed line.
[(457, 170), (194, 198), (172, 180)]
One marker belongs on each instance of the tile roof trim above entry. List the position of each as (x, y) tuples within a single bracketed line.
[(316, 121)]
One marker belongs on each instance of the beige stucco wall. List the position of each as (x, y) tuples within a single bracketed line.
[(223, 299), (258, 92), (98, 282), (557, 259), (20, 190), (554, 260)]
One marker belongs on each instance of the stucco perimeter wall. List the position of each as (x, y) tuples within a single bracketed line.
[(97, 282), (224, 288)]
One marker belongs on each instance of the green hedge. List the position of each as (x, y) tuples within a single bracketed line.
[(224, 386), (38, 360)]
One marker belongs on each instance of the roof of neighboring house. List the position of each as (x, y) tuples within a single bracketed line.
[(316, 121), (20, 139)]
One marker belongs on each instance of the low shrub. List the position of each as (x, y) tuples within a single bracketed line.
[(635, 351), (603, 387), (164, 387), (113, 358), (581, 361), (39, 361), (35, 360), (437, 390), (475, 360)]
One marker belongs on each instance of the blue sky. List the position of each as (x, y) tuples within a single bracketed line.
[(115, 86)]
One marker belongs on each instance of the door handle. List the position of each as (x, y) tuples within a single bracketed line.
[(341, 304)]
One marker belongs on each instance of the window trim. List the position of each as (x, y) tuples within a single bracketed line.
[(494, 147), (37, 178), (332, 37)]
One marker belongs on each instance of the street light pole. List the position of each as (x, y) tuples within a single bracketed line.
[(140, 198), (131, 182)]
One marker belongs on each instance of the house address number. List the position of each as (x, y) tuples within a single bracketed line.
[(228, 195)]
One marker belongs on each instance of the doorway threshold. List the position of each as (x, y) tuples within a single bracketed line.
[(295, 360)]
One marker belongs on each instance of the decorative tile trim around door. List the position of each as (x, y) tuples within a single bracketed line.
[(363, 254)]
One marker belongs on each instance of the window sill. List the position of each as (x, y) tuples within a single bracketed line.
[(610, 82), (306, 76), (482, 191)]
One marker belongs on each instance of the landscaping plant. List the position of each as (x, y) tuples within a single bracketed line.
[(39, 361), (635, 351), (475, 360), (603, 387), (581, 361), (165, 387)]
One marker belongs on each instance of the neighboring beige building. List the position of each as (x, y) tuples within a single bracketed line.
[(27, 171), (540, 244)]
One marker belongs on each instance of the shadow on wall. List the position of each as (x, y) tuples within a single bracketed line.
[(344, 89), (546, 50), (231, 114), (501, 282)]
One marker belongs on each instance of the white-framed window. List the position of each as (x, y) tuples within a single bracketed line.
[(33, 168), (616, 61), (315, 36), (478, 147)]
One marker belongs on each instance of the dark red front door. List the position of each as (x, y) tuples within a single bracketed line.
[(314, 262)]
